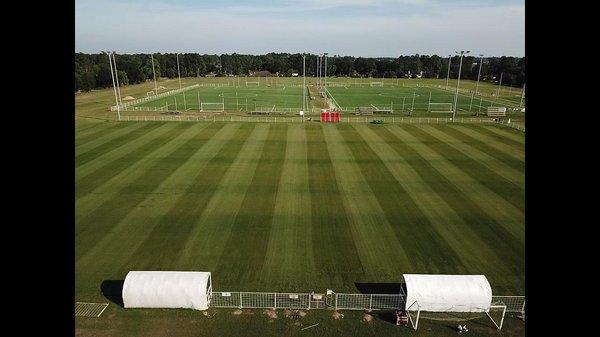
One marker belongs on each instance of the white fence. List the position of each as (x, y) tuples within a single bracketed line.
[(369, 301), (338, 301), (259, 300), (126, 105), (298, 119)]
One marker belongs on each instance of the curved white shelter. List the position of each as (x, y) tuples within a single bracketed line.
[(167, 289), (448, 293)]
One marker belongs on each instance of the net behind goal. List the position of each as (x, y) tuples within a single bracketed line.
[(440, 107), (212, 106), (252, 83), (376, 84)]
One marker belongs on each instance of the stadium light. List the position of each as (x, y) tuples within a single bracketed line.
[(462, 52), (154, 74), (117, 76), (325, 81), (448, 76), (179, 75), (499, 85), (522, 96), (112, 76), (303, 85)]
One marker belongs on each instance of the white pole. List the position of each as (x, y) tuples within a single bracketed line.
[(304, 102), (479, 74), (448, 76), (325, 79), (112, 76), (499, 85), (198, 92), (457, 85), (154, 74), (522, 96), (117, 78)]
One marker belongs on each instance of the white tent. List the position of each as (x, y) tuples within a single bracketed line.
[(167, 289), (448, 293)]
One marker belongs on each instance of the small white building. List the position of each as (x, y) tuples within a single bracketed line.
[(448, 293), (167, 289)]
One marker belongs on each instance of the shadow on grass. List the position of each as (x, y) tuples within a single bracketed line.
[(378, 288), (113, 291)]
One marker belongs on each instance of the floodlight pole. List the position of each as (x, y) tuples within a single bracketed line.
[(479, 74), (117, 77), (325, 80), (499, 84), (448, 75), (303, 84), (462, 52), (179, 75), (112, 76), (318, 69), (522, 96), (154, 74)]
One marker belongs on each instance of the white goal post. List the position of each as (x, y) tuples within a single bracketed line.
[(209, 106), (376, 84), (252, 83), (440, 107)]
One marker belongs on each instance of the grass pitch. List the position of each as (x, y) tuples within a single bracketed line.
[(292, 207)]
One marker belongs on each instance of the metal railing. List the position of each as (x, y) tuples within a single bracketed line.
[(266, 300), (339, 301), (513, 303)]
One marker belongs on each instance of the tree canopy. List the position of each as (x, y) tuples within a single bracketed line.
[(92, 70)]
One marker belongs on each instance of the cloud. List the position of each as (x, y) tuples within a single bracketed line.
[(136, 27)]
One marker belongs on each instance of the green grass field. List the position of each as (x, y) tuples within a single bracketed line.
[(292, 207)]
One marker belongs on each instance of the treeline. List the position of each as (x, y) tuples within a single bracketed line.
[(93, 71)]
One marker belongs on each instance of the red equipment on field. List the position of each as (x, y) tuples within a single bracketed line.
[(330, 116)]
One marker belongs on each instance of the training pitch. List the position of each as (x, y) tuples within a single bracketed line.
[(293, 207)]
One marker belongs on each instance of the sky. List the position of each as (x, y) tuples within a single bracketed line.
[(368, 28)]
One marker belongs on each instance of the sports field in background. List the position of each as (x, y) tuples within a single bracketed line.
[(291, 207)]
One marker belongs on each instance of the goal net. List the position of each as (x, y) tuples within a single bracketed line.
[(252, 83), (376, 84), (212, 107), (263, 110), (440, 107)]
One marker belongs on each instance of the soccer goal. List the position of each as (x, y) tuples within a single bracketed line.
[(214, 107), (376, 84), (440, 107), (150, 93), (252, 83)]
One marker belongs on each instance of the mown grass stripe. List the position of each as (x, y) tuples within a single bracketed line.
[(513, 155), (452, 137), (125, 237), (206, 244), (106, 136), (115, 142), (372, 233), (246, 247), (93, 131), (97, 172), (88, 132), (335, 252), (427, 251), (493, 204), (511, 192), (290, 259), (162, 246), (481, 236), (506, 133), (134, 192)]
